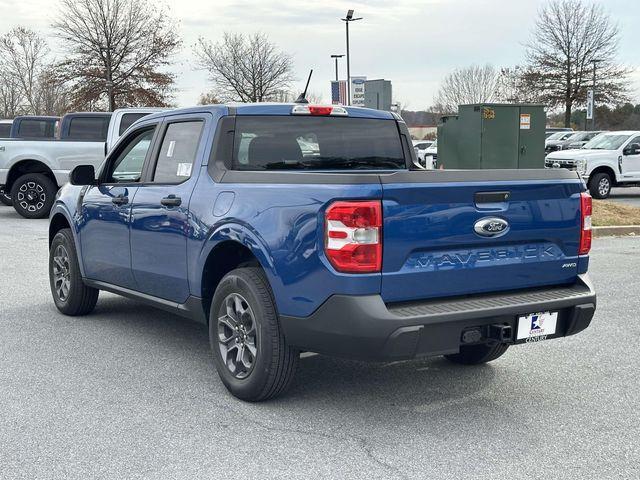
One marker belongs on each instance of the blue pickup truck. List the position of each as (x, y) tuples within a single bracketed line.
[(293, 227)]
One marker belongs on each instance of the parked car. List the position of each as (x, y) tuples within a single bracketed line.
[(5, 132), (217, 214), (579, 140), (611, 159), (33, 170), (569, 141), (430, 156), (551, 143), (420, 146), (34, 127), (551, 130)]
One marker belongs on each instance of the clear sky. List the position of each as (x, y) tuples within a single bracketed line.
[(413, 43)]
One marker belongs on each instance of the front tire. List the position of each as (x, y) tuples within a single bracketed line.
[(477, 354), (70, 294), (600, 185), (250, 352), (33, 195)]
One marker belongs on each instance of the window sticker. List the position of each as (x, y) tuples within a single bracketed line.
[(184, 169), (172, 146)]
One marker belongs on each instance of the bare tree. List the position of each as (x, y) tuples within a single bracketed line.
[(118, 49), (245, 68), (10, 95), (54, 96), (568, 36), (473, 84), (515, 85), (208, 98), (23, 55)]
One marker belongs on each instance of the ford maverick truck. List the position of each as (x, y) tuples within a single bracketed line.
[(292, 227)]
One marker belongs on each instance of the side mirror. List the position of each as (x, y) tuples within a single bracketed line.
[(633, 149), (83, 175)]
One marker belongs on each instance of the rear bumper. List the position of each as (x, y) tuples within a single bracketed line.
[(364, 327)]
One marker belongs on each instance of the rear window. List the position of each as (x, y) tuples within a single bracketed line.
[(5, 130), (316, 143), (129, 119), (36, 129), (88, 128)]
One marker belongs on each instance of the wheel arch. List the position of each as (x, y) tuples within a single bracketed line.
[(60, 219), (25, 166), (604, 169), (230, 247), (58, 222)]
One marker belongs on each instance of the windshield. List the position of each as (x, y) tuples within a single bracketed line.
[(316, 143), (577, 136), (606, 142), (556, 136)]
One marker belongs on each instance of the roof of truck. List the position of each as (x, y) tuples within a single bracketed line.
[(37, 117), (89, 114), (269, 109)]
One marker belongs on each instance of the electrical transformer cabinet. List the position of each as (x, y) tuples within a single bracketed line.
[(492, 135)]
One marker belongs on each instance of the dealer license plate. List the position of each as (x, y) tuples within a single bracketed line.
[(536, 326)]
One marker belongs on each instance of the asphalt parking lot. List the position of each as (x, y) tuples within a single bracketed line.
[(130, 392)]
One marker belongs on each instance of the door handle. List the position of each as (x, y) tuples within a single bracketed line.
[(120, 200), (171, 201)]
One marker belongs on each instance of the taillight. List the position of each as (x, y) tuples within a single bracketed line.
[(353, 236), (586, 207)]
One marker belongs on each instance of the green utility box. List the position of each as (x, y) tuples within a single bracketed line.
[(493, 135)]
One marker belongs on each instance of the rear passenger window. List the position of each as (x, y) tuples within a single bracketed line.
[(178, 152), (129, 119), (36, 129), (89, 128)]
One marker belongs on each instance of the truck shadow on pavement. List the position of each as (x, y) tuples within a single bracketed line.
[(419, 385)]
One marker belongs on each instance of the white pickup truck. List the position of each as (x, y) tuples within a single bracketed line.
[(31, 171), (611, 159)]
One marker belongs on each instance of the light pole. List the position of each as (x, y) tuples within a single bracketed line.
[(593, 106), (349, 18), (337, 57)]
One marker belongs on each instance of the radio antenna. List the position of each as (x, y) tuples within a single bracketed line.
[(303, 96)]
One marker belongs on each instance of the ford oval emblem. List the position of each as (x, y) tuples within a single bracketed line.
[(491, 227)]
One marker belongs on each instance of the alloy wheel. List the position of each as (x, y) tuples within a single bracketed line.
[(61, 272), (604, 186), (237, 335), (31, 196)]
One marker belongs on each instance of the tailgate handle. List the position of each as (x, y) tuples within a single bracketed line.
[(491, 197)]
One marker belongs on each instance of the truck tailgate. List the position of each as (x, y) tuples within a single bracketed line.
[(431, 248)]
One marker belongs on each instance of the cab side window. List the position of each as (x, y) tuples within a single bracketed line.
[(178, 152), (127, 166), (634, 140)]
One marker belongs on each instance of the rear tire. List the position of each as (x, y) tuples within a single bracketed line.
[(5, 198), (70, 294), (600, 185), (477, 354), (33, 195), (250, 352)]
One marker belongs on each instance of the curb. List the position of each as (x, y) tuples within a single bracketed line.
[(618, 230)]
